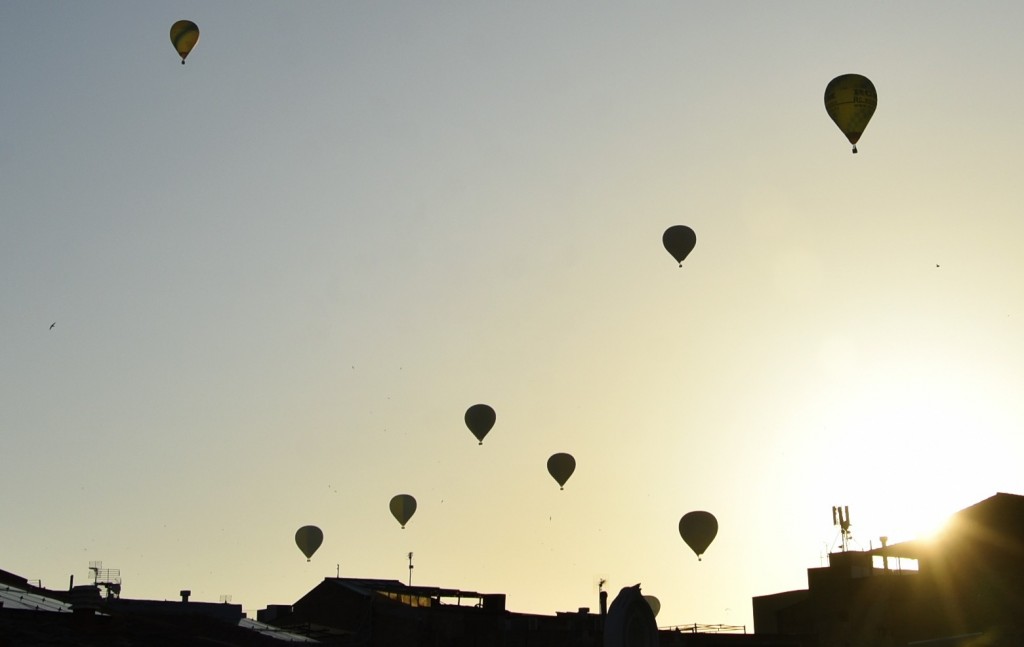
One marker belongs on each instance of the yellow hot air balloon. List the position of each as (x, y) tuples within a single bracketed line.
[(480, 419), (560, 467), (308, 539), (850, 100), (698, 529), (184, 36), (403, 506)]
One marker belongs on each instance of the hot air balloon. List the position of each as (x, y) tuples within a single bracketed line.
[(480, 418), (698, 530), (184, 36), (850, 100), (308, 539), (654, 603), (560, 467), (679, 240), (403, 506)]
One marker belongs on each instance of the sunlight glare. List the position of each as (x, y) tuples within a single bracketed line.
[(897, 439)]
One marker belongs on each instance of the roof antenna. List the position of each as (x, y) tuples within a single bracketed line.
[(108, 578), (410, 568), (841, 518)]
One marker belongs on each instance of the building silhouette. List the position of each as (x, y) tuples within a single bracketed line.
[(372, 613), (82, 615), (358, 611), (963, 587)]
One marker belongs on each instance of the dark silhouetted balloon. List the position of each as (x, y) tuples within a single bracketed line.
[(698, 530), (679, 240), (308, 539), (403, 506), (654, 603), (560, 467), (480, 418), (184, 36), (850, 100)]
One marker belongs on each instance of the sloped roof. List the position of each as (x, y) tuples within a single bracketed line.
[(913, 549), (13, 597), (274, 632), (32, 598), (367, 586), (997, 520)]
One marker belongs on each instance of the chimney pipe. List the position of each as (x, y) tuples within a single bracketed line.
[(184, 595)]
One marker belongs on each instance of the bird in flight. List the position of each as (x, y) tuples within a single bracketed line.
[(52, 325)]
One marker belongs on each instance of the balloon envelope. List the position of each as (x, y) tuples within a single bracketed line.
[(403, 506), (698, 530), (560, 467), (850, 100), (184, 36), (679, 240), (654, 603), (480, 418), (308, 539)]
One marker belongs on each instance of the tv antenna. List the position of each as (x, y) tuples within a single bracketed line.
[(410, 568), (108, 578), (841, 518)]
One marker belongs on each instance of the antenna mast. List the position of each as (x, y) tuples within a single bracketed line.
[(841, 518), (410, 568), (108, 578)]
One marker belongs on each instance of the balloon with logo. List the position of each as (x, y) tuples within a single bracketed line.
[(850, 100)]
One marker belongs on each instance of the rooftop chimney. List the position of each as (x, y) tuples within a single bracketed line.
[(184, 594)]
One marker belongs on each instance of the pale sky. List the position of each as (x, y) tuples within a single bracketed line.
[(281, 273)]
